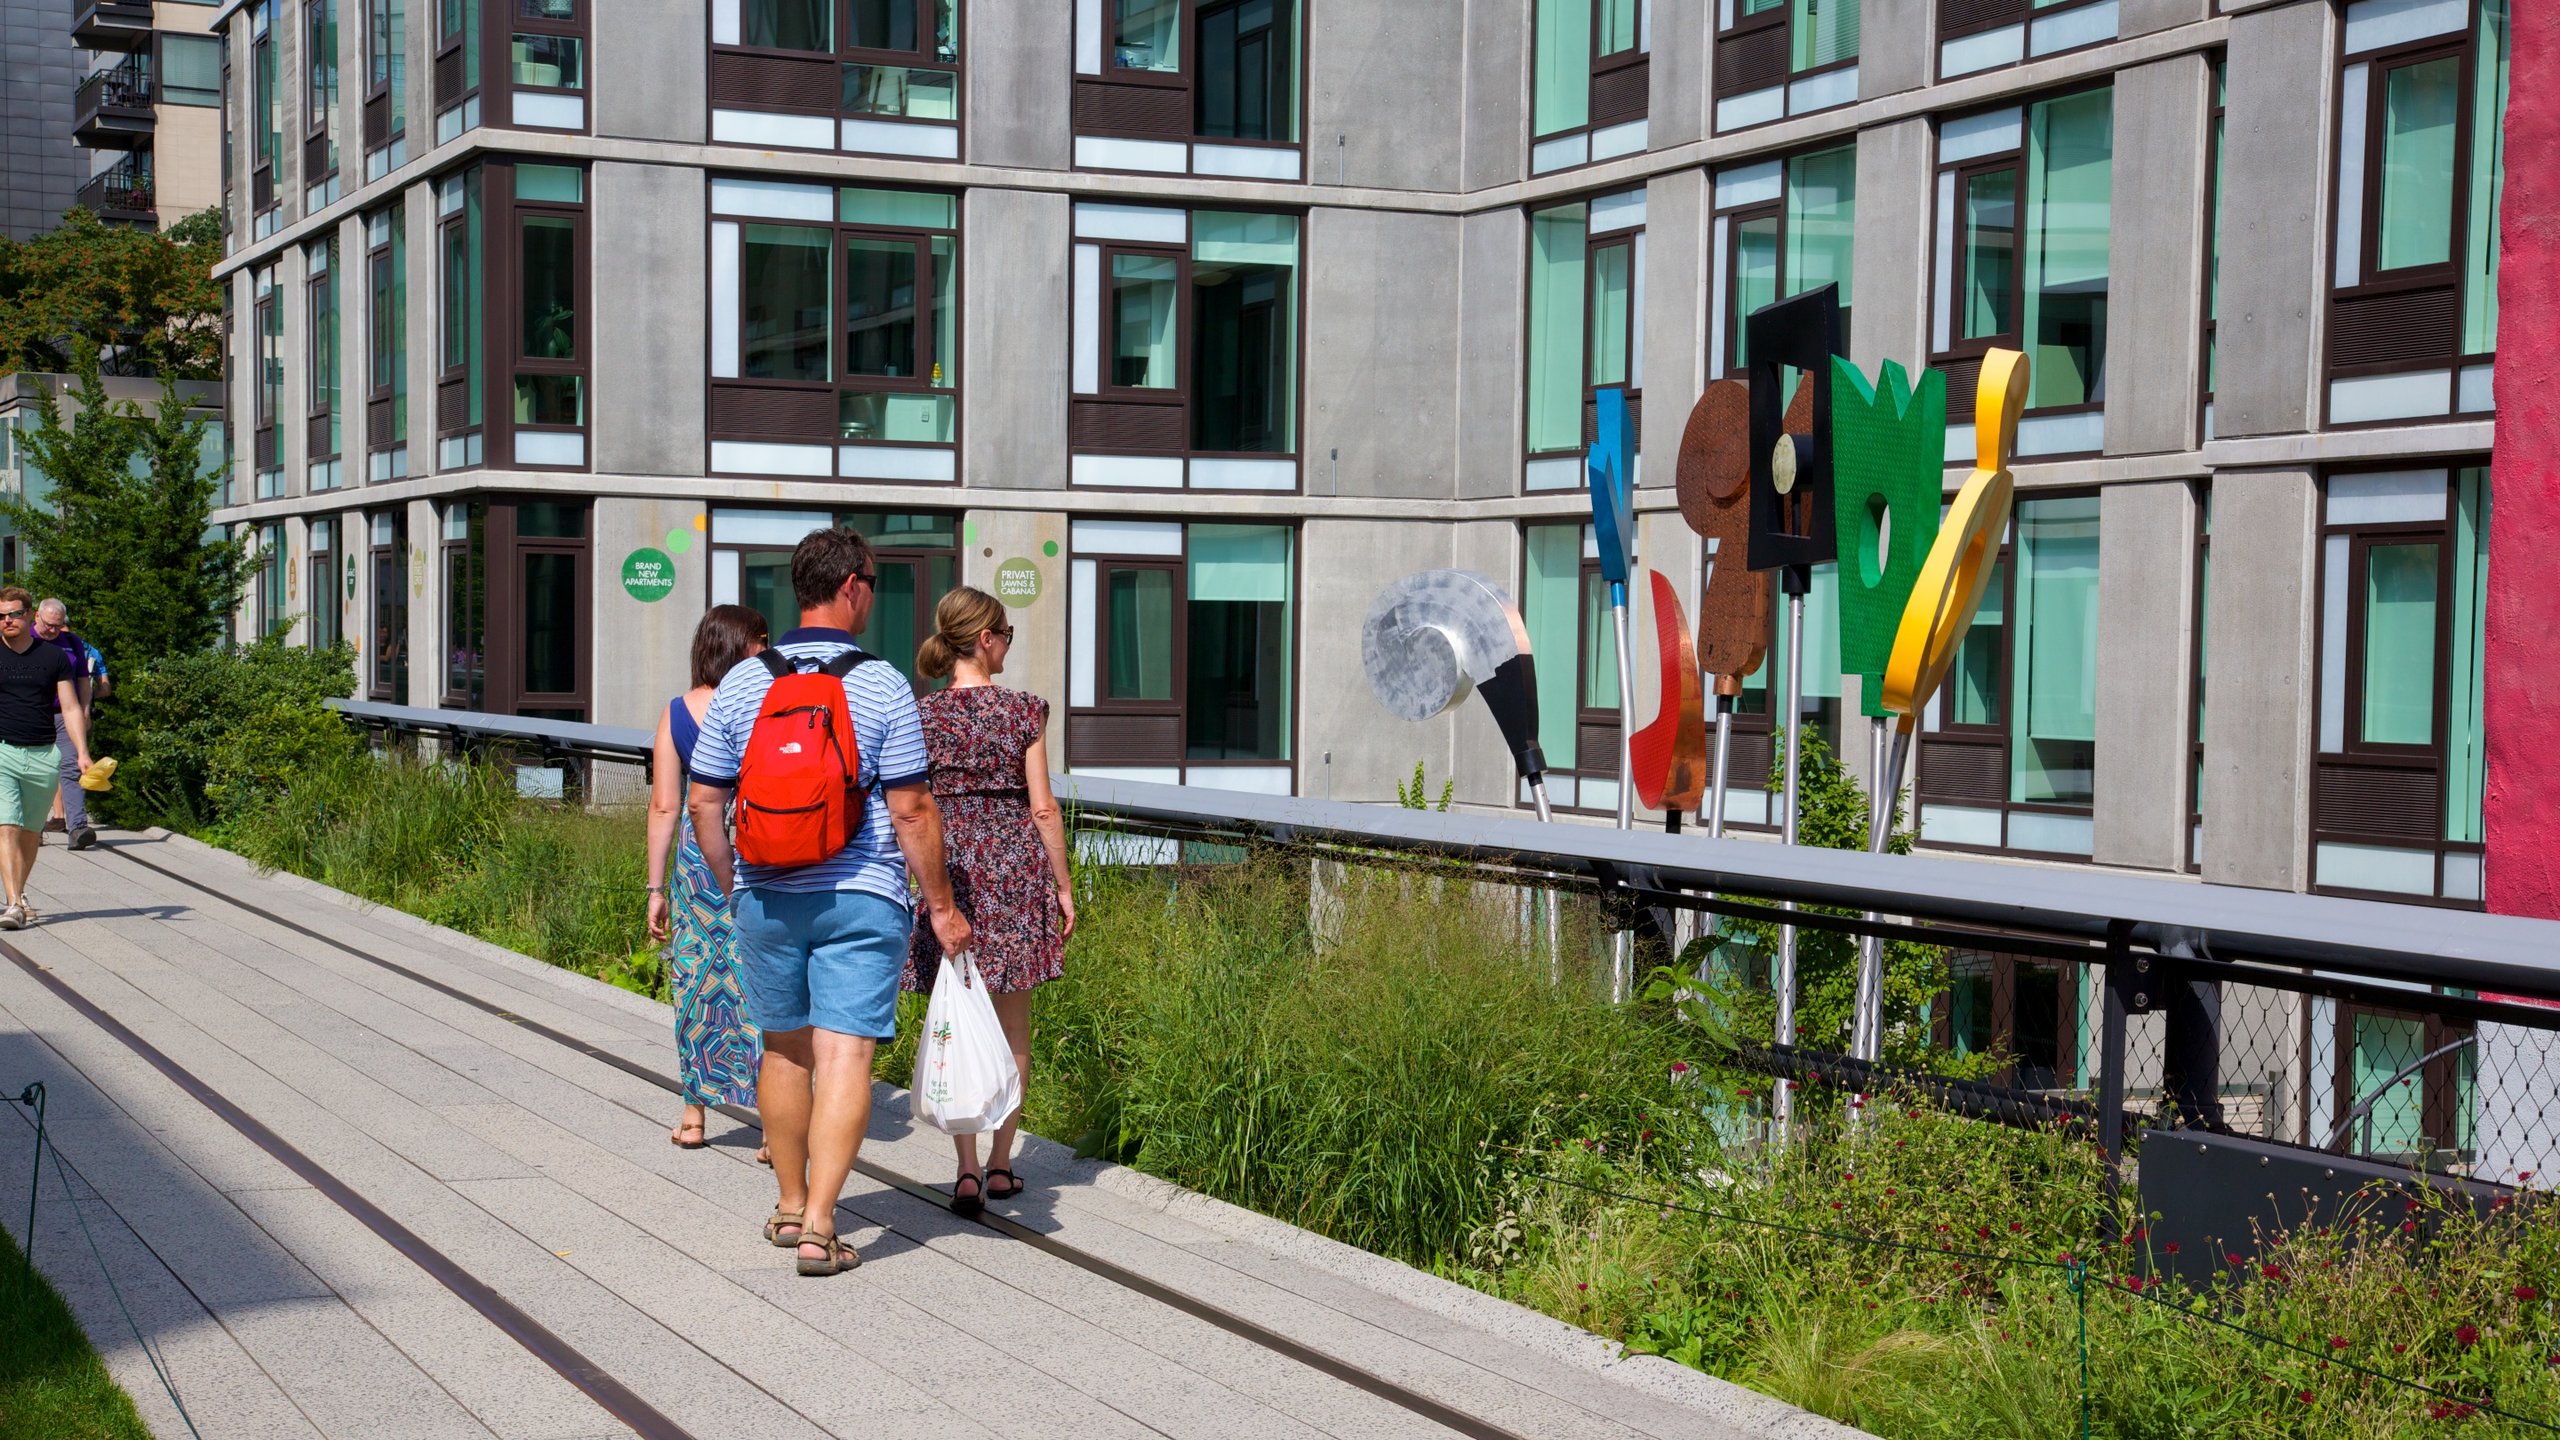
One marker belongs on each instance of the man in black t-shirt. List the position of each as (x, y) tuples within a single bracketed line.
[(35, 681)]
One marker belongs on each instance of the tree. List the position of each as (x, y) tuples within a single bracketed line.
[(148, 301), (125, 536)]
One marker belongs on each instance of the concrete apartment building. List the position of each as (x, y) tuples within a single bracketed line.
[(1188, 324), (147, 117)]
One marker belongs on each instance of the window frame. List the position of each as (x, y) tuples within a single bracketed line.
[(1595, 727), (509, 276), (1178, 394), (751, 77), (1605, 75), (389, 555), (387, 395), (1099, 110), (732, 414), (496, 559), (266, 107), (1725, 224), (575, 26), (322, 599), (386, 48), (266, 392), (2439, 1080), (324, 385), (885, 552), (320, 113), (1629, 237)]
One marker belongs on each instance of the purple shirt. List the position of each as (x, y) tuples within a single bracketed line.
[(75, 652)]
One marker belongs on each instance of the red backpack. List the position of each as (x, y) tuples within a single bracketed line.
[(798, 793)]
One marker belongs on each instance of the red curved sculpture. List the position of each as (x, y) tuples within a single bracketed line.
[(1670, 754)]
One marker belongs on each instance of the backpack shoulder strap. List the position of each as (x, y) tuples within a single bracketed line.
[(841, 665), (775, 662)]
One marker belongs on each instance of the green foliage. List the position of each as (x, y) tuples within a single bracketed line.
[(1832, 815), (453, 843), (146, 299), (199, 735), (124, 536), (52, 1384), (1415, 796), (1799, 1283)]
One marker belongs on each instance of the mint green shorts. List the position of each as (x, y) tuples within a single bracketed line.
[(28, 776)]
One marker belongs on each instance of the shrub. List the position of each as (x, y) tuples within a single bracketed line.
[(197, 735)]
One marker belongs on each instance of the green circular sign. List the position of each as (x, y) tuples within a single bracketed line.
[(649, 574), (1017, 581)]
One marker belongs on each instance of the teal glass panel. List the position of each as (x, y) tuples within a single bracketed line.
[(1617, 27), (2400, 643), (2052, 751), (1141, 635), (1822, 32), (1973, 682), (555, 184), (2488, 181), (1822, 214), (1755, 276), (1556, 245), (902, 91), (2070, 148), (2465, 756), (1237, 620), (1612, 304), (2420, 106), (897, 209), (1560, 94), (1599, 667), (2385, 1045), (1147, 35), (1144, 304), (1551, 600), (1990, 210)]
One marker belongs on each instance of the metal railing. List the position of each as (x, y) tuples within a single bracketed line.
[(2430, 1036), (125, 85), (124, 188)]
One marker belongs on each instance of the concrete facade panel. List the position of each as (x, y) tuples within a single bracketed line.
[(1482, 763), (1896, 45), (1678, 273), (1013, 401), (2146, 582), (1489, 354), (2156, 256), (2275, 251), (1347, 563), (642, 650), (426, 607), (651, 241), (1496, 117), (2260, 680), (1037, 661), (666, 44), (1683, 75), (1383, 304), (186, 162), (1019, 62), (1889, 314), (1380, 79), (2144, 17)]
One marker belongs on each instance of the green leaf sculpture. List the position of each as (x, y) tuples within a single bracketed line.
[(1888, 453)]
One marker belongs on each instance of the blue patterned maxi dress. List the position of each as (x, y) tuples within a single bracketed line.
[(716, 1048)]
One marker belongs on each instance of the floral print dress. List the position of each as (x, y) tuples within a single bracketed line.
[(976, 739)]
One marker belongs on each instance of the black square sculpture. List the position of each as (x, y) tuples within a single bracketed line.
[(1792, 524)]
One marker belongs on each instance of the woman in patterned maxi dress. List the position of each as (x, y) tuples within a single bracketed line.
[(1005, 842), (717, 1050)]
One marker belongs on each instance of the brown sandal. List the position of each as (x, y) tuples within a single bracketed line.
[(676, 1136), (839, 1258), (779, 1221)]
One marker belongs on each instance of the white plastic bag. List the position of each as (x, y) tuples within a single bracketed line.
[(965, 1081)]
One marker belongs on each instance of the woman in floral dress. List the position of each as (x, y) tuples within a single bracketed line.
[(717, 1050), (1005, 840)]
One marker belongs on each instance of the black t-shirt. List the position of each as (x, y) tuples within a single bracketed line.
[(27, 696)]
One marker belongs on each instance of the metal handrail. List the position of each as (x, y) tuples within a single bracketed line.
[(2134, 916)]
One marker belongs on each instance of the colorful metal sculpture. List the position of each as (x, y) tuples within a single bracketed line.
[(1433, 637), (1670, 754), (1713, 486), (1889, 440)]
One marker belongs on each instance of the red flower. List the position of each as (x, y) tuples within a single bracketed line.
[(2133, 1283), (2231, 1258), (2171, 1247), (2527, 1292), (2524, 1174), (2399, 1349), (2303, 1395), (2466, 1335), (2271, 1272), (2015, 1227), (2409, 1227), (1681, 1067), (2337, 1342), (1835, 1204), (1982, 1232), (1889, 1190), (1582, 1285)]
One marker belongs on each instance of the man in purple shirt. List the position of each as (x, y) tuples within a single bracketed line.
[(53, 627)]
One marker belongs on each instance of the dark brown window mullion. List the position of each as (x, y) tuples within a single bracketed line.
[(522, 18), (1129, 727), (1614, 76), (920, 360), (504, 269), (1949, 738), (262, 170), (1178, 395), (268, 453), (2411, 317), (2376, 119), (1591, 385), (2362, 542), (1595, 725), (1962, 359), (1775, 212), (377, 92), (316, 313), (319, 158)]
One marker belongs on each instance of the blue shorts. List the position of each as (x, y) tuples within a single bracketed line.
[(829, 958)]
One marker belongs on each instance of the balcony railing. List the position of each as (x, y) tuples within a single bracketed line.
[(122, 192), (113, 107), (112, 24)]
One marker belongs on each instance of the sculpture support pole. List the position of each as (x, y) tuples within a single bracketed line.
[(1781, 1100), (1866, 1026), (1622, 945), (1724, 761), (1555, 928)]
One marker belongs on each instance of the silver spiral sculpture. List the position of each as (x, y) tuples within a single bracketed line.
[(1433, 637)]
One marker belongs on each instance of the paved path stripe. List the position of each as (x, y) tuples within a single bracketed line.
[(537, 1339), (1452, 1418)]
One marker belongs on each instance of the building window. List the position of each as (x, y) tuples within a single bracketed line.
[(517, 607), (1182, 653), (266, 164), (2429, 1123), (1759, 713), (784, 74), (266, 313), (547, 65), (1776, 58), (190, 69), (267, 588), (1591, 80), (1586, 328), (386, 87), (865, 387), (1564, 602), (322, 604), (2413, 305), (2027, 1010), (548, 273), (2397, 773), (459, 369), (230, 219), (2022, 253), (387, 328), (1782, 227), (1184, 371), (917, 557), (1986, 34), (2213, 246), (388, 565), (2008, 745), (320, 318), (457, 68), (319, 103), (2195, 714), (1201, 87)]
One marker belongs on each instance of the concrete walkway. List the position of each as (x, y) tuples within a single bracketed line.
[(524, 1155)]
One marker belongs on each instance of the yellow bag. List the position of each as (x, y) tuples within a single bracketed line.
[(101, 775)]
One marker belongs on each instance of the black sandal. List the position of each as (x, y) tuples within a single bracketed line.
[(1013, 1183), (967, 1206)]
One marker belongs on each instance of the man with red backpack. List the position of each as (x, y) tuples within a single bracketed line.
[(821, 748)]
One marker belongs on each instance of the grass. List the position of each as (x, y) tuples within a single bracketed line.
[(52, 1384), (1398, 1075)]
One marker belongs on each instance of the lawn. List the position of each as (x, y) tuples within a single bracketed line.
[(52, 1385)]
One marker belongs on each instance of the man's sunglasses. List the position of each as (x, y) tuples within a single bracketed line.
[(13, 614), (871, 581)]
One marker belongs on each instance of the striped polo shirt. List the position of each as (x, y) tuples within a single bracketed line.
[(885, 727)]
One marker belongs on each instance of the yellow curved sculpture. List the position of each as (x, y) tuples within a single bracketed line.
[(1968, 545)]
